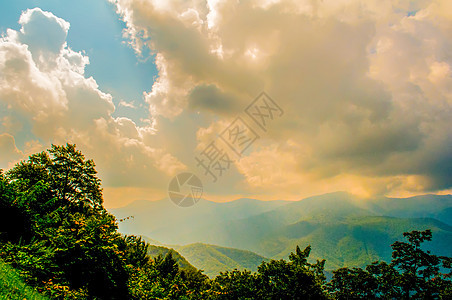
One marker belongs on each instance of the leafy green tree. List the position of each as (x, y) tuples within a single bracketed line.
[(73, 179), (277, 279), (86, 251), (384, 275), (68, 245), (420, 275), (15, 221), (296, 279), (57, 197), (235, 285), (412, 274), (161, 278), (197, 284), (167, 266), (135, 250), (354, 283)]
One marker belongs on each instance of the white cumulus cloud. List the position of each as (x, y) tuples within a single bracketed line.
[(44, 89)]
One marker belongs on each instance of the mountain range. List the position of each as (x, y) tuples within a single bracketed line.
[(341, 228), (211, 259)]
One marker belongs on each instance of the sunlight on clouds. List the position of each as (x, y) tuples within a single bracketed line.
[(10, 153), (166, 94), (127, 104), (42, 82), (42, 31), (271, 168), (191, 17), (439, 71), (366, 86)]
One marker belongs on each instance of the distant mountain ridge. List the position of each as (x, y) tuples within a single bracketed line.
[(215, 259), (345, 230), (211, 259)]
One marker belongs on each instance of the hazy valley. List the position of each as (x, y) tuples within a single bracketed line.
[(341, 228)]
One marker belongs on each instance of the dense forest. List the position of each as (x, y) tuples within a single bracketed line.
[(58, 240)]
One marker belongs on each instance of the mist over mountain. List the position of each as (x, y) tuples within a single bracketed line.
[(170, 224), (340, 227)]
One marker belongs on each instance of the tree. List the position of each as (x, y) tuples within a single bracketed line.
[(384, 275), (420, 275), (277, 279), (14, 220), (57, 198), (354, 283), (66, 243), (412, 274), (296, 279), (135, 250), (235, 285), (73, 179)]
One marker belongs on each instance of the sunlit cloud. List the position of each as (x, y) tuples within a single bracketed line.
[(365, 84), (42, 83)]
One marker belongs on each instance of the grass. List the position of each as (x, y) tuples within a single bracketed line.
[(12, 286)]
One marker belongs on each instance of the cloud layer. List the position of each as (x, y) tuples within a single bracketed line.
[(366, 86)]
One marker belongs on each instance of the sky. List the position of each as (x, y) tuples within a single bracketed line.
[(271, 99)]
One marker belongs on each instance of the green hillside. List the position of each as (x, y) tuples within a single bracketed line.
[(209, 258), (155, 251), (12, 286), (355, 241), (339, 227), (215, 259)]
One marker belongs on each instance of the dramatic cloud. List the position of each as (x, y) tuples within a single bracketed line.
[(365, 86), (47, 98)]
